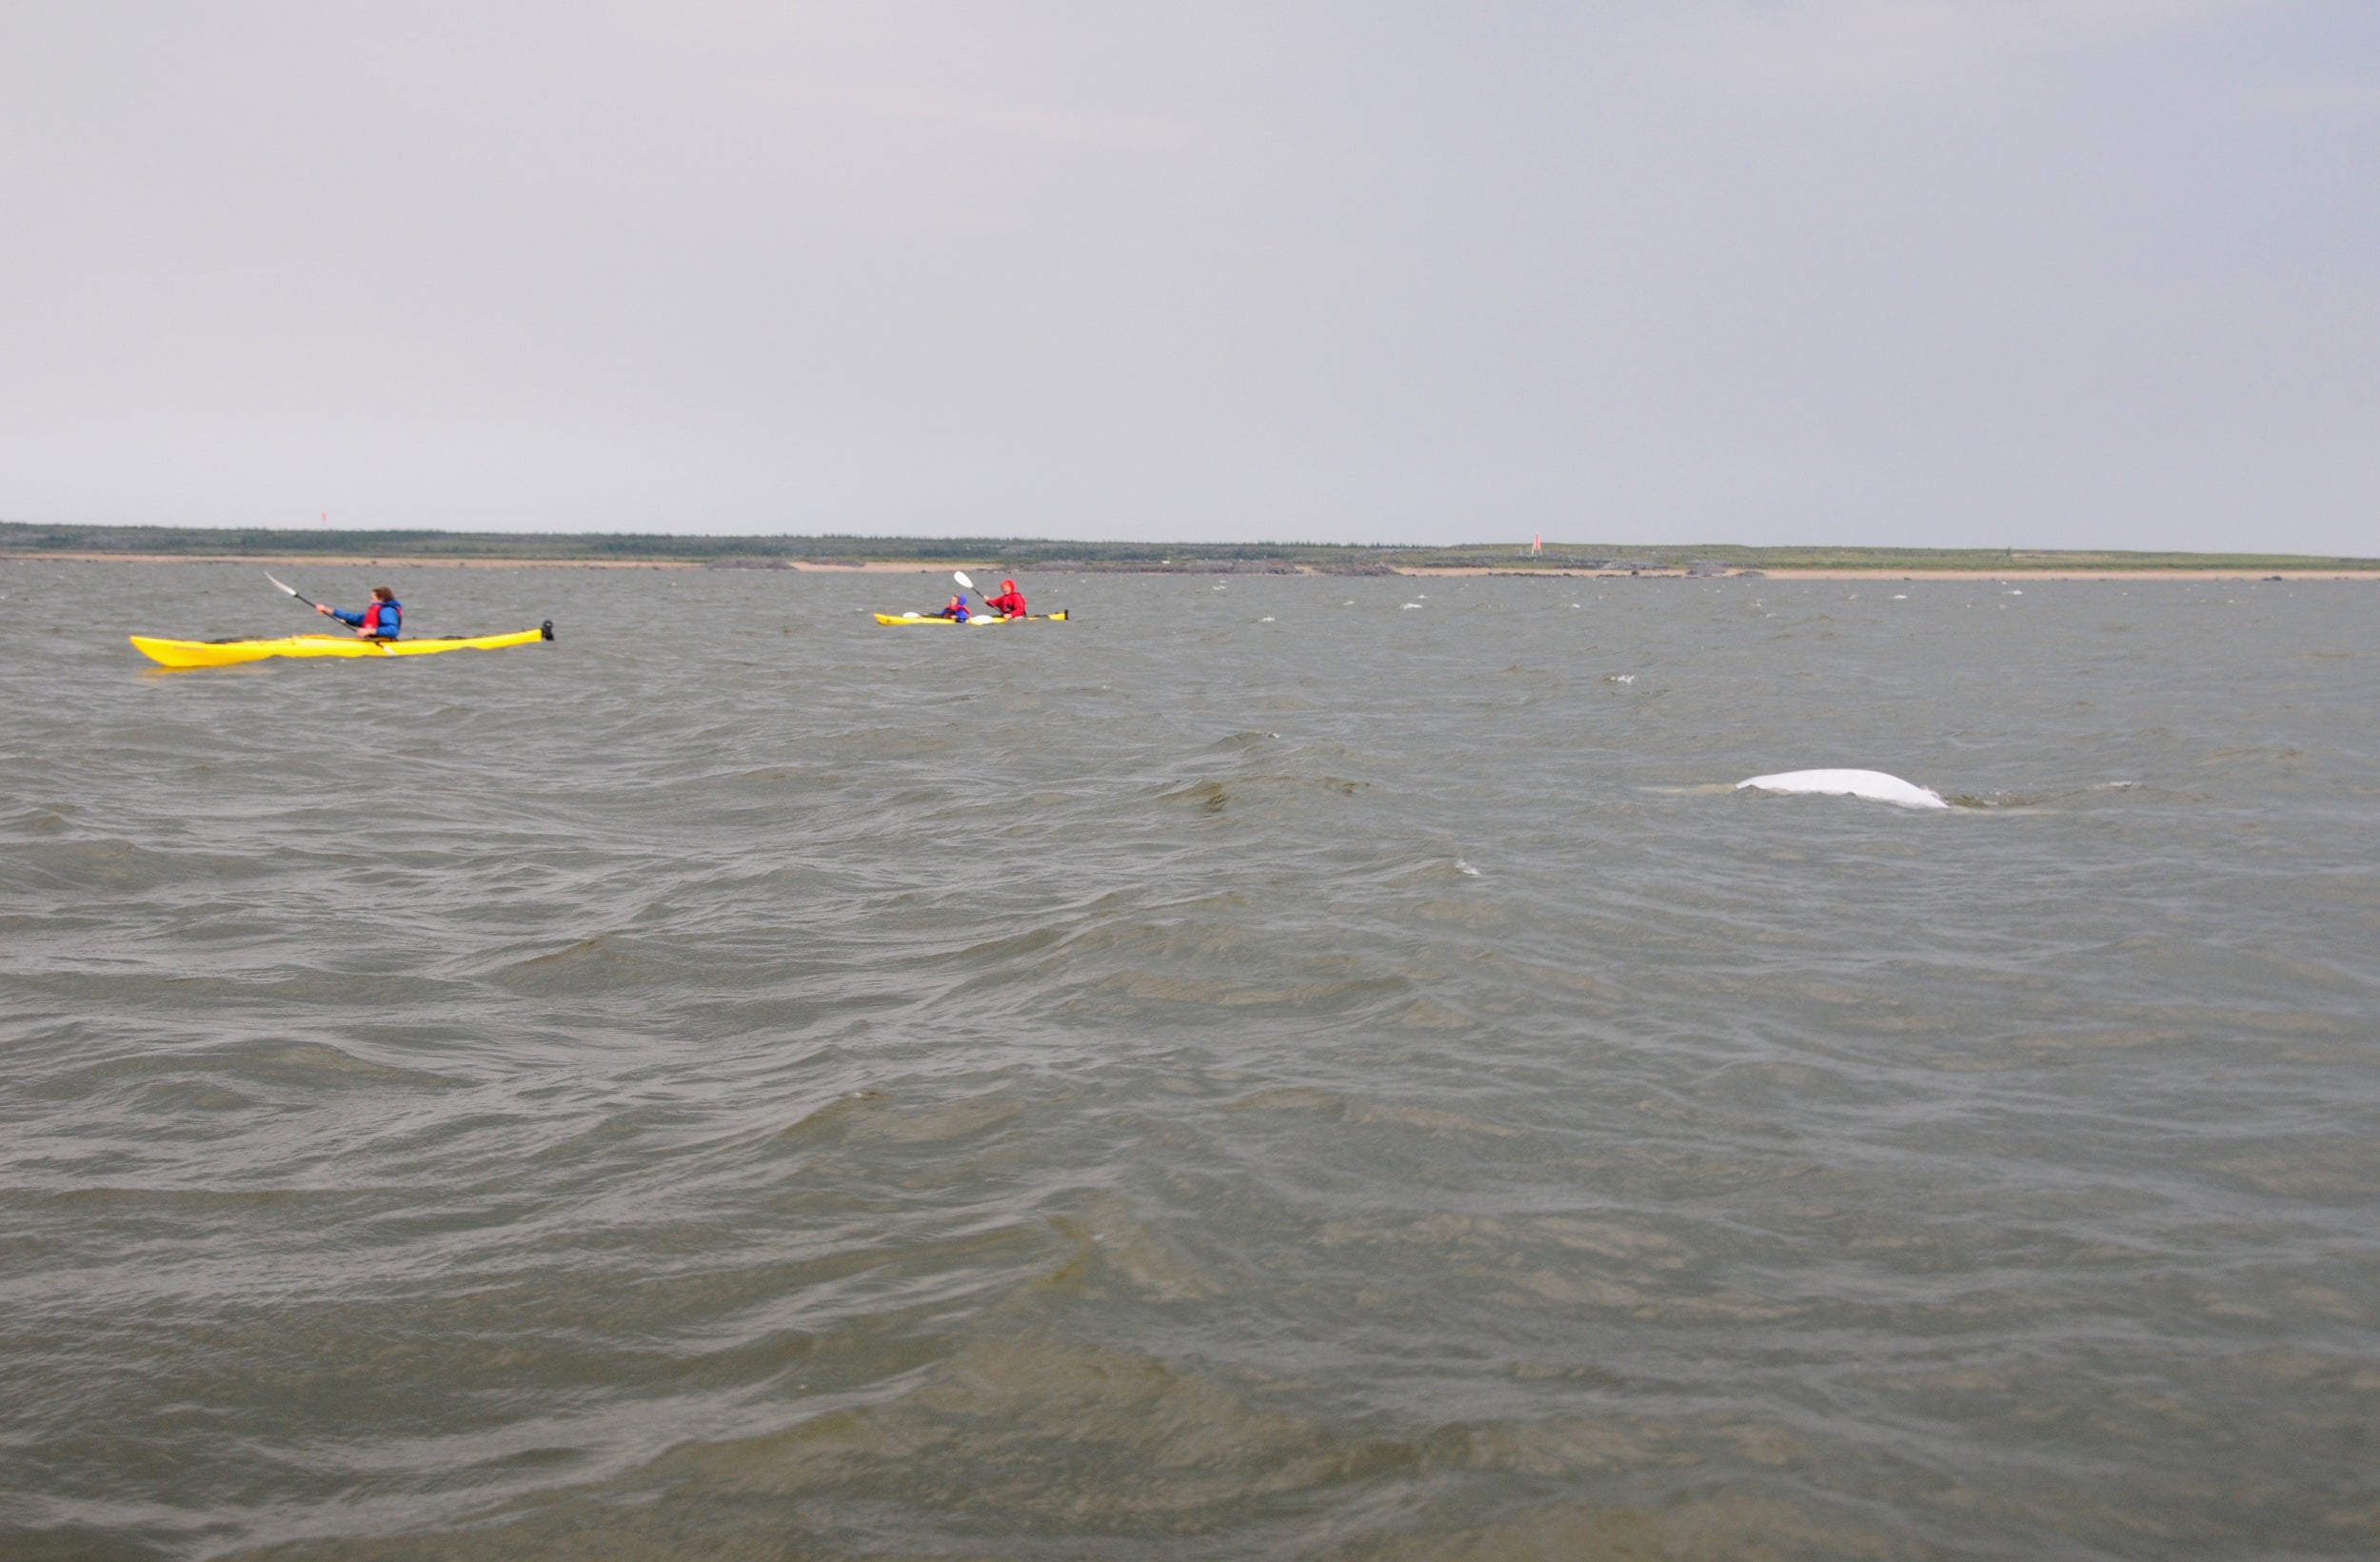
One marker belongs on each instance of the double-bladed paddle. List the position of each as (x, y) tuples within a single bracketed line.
[(318, 608), (960, 576)]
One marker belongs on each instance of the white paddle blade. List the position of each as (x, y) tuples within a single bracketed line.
[(286, 586), (1874, 784), (960, 576)]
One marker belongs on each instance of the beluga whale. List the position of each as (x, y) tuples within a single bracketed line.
[(1873, 784)]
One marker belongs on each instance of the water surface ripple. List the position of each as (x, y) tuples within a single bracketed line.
[(1260, 1071)]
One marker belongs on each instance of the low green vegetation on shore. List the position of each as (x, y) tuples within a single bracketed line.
[(20, 538)]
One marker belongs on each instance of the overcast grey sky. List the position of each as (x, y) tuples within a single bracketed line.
[(2040, 272)]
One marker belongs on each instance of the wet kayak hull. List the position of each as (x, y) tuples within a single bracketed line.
[(224, 653), (905, 620)]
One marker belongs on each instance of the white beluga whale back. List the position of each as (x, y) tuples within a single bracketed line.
[(1874, 784)]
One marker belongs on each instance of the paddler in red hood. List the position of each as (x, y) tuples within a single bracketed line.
[(1009, 604)]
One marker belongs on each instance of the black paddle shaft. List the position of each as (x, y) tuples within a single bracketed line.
[(295, 592)]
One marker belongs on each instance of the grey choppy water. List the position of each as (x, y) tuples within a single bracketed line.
[(1260, 1071)]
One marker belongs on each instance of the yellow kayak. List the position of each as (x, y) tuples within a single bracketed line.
[(223, 653), (1058, 617)]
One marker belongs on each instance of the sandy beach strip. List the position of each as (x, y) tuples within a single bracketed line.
[(1987, 576), (352, 560), (2072, 574)]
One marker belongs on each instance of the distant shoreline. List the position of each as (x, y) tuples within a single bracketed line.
[(392, 548), (902, 566), (1849, 573), (1883, 573)]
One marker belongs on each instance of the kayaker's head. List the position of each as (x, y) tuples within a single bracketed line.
[(380, 593), (1007, 586)]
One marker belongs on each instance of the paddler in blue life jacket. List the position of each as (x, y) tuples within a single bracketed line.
[(955, 609), (379, 619)]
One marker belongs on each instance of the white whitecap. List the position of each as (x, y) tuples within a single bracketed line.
[(1873, 784)]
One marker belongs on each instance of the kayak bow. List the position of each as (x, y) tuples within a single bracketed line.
[(224, 653)]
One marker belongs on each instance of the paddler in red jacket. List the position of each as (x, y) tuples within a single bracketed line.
[(1009, 604)]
